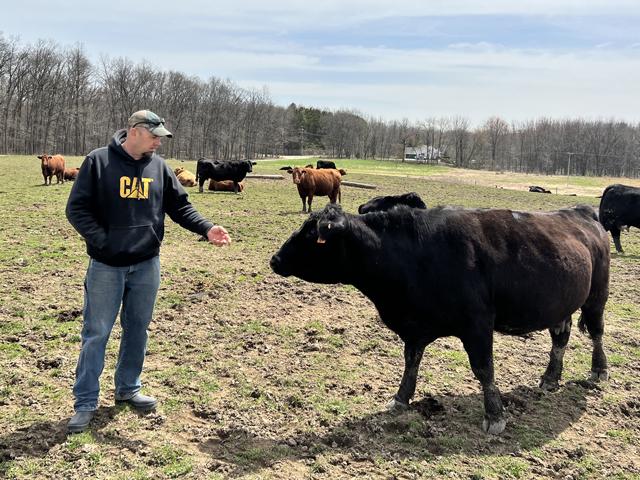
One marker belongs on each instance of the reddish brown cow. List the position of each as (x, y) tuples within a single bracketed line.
[(185, 177), (312, 182), (52, 165), (224, 186), (71, 173)]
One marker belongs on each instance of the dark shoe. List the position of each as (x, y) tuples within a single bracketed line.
[(80, 421), (142, 403)]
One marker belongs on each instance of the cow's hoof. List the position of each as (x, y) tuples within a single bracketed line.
[(395, 406), (549, 385), (601, 376), (494, 427)]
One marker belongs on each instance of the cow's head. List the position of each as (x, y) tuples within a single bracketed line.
[(316, 252), (44, 158), (298, 174), (178, 170), (249, 165)]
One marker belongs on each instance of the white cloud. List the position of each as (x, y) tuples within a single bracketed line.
[(289, 47)]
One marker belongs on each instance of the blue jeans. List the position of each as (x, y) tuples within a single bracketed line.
[(107, 288)]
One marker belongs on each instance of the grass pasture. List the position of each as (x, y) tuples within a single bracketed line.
[(264, 377)]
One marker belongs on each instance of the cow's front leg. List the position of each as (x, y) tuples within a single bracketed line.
[(309, 200), (559, 338), (201, 184), (479, 347), (412, 357)]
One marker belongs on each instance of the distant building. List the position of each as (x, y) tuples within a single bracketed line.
[(423, 153)]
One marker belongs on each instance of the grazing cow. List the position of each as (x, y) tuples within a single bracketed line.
[(71, 173), (380, 204), (185, 177), (312, 182), (325, 164), (234, 170), (537, 189), (464, 273), (52, 165), (619, 208), (224, 186)]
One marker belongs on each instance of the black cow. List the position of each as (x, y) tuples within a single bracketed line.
[(537, 189), (464, 273), (218, 170), (325, 164), (380, 204), (619, 208)]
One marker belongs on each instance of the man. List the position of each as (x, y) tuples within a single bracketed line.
[(118, 204)]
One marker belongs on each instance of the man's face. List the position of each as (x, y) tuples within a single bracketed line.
[(146, 141)]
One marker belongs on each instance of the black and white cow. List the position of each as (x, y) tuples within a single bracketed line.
[(464, 273), (380, 204), (619, 208), (219, 170)]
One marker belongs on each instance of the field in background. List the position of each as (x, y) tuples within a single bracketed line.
[(264, 377)]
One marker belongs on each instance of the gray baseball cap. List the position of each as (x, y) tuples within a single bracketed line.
[(150, 121)]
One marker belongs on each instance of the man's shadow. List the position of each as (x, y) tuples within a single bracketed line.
[(37, 439)]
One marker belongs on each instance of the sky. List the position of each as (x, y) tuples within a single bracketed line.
[(394, 59)]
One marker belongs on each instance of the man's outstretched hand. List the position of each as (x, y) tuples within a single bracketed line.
[(218, 236)]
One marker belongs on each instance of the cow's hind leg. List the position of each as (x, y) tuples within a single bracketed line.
[(559, 338), (412, 357), (479, 347), (592, 320)]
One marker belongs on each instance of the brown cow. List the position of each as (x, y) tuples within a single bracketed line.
[(71, 173), (224, 186), (52, 165), (185, 177), (312, 182)]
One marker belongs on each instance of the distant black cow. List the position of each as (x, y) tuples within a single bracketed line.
[(380, 204), (619, 208), (537, 189), (464, 273), (325, 164), (218, 170)]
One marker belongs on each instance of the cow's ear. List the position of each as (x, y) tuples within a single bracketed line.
[(254, 163)]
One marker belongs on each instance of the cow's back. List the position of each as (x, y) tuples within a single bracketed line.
[(533, 269), (56, 164), (326, 181)]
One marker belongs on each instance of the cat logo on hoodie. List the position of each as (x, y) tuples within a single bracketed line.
[(131, 187)]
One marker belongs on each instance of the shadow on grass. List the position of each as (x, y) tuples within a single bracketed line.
[(37, 439), (625, 256), (445, 425)]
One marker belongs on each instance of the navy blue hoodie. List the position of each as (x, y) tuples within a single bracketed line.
[(118, 204)]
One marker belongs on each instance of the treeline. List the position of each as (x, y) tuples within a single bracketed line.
[(55, 100)]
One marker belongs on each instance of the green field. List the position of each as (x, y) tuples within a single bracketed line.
[(260, 376)]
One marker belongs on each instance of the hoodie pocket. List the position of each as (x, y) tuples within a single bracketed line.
[(133, 241)]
